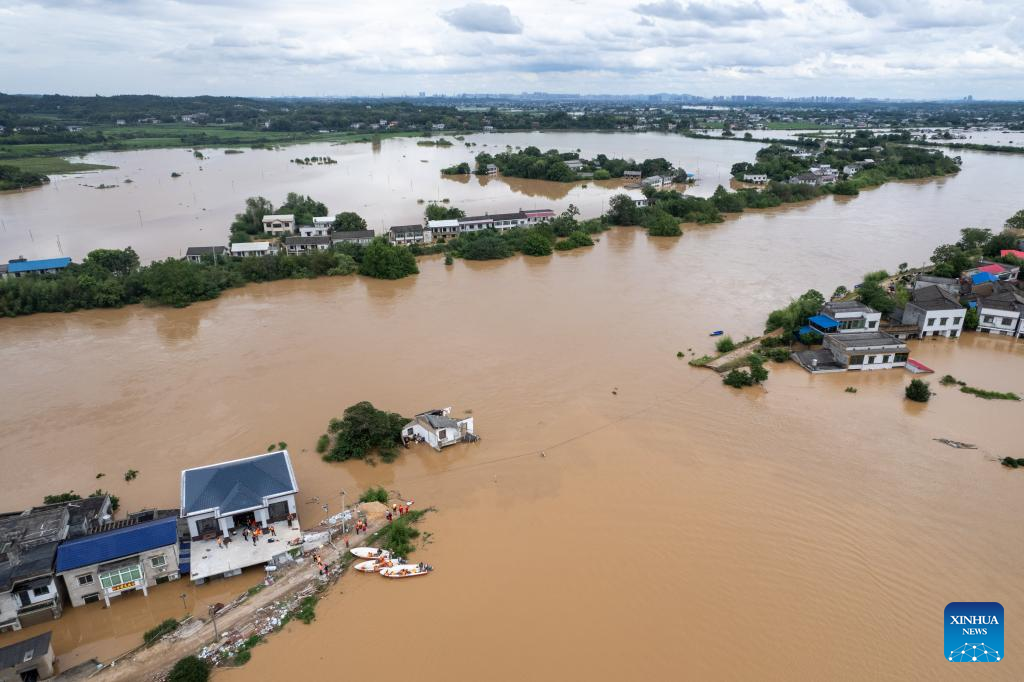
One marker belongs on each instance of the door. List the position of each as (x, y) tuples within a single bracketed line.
[(278, 511)]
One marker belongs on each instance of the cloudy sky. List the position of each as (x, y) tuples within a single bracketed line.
[(886, 48)]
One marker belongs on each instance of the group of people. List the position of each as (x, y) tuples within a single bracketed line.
[(322, 568), (255, 531), (398, 510)]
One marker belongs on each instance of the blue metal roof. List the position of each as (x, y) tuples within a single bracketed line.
[(982, 277), (823, 321), (237, 485), (34, 265), (102, 547)]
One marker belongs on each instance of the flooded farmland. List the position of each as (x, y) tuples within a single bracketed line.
[(792, 532)]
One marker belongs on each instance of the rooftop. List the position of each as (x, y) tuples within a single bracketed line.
[(350, 235), (245, 247), (453, 222), (405, 228), (872, 339), (833, 307), (210, 559), (34, 265), (307, 241), (205, 250), (105, 546), (283, 216), (238, 485), (24, 651), (934, 298)]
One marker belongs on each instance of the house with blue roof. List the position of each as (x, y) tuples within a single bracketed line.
[(239, 513), (120, 557), (20, 267)]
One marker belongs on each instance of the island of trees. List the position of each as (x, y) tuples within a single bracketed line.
[(531, 162), (15, 178)]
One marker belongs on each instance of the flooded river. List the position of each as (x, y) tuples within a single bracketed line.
[(672, 528)]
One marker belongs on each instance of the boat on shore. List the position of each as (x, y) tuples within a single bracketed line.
[(373, 565), (370, 553), (406, 570)]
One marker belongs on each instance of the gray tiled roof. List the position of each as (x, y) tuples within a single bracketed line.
[(934, 298), (15, 654), (438, 421), (206, 250), (857, 339), (237, 485), (306, 241), (398, 229), (848, 307), (352, 235)]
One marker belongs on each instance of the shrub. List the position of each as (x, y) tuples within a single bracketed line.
[(399, 535), (322, 443), (160, 630), (948, 380), (189, 669), (374, 495), (362, 430), (738, 378), (1012, 463), (242, 657), (776, 354), (131, 474), (918, 391), (535, 243), (69, 496), (660, 224), (758, 373), (701, 361), (725, 344), (306, 612), (384, 260), (989, 395)]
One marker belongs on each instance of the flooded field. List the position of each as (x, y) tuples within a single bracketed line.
[(161, 216), (792, 532)]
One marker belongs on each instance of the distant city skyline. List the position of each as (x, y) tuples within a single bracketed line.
[(928, 50)]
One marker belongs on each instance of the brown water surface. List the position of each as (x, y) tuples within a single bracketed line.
[(672, 528)]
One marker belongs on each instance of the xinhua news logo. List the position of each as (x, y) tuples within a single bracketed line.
[(974, 632)]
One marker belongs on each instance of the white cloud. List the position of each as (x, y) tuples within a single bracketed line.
[(892, 48)]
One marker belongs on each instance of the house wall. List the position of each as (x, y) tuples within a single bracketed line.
[(997, 321), (77, 593), (8, 612), (930, 322), (42, 664), (872, 357)]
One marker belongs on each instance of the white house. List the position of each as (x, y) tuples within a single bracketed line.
[(363, 237), (755, 178), (437, 429), (1000, 313), (315, 230), (639, 199), (492, 169), (299, 245), (574, 164), (409, 234), (854, 351), (852, 316), (657, 181), (443, 228), (279, 224), (936, 312), (223, 500), (325, 222), (251, 249), (195, 254)]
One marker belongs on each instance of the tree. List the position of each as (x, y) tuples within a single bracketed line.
[(189, 669), (660, 224), (304, 208), (384, 260), (872, 294), (998, 242), (951, 258), (622, 210), (535, 243), (362, 430), (119, 262), (250, 221), (1016, 221), (795, 315), (441, 212), (658, 166), (918, 391), (972, 238), (971, 319), (758, 372), (347, 221)]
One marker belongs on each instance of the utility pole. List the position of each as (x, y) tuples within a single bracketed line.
[(183, 597), (213, 616)]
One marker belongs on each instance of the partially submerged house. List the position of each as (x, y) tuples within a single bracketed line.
[(28, 660), (221, 500), (409, 234), (119, 557), (755, 178), (841, 352), (300, 245), (437, 429), (28, 545), (935, 311), (1001, 311), (19, 267), (363, 237)]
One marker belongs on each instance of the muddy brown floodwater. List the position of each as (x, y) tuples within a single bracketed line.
[(673, 528)]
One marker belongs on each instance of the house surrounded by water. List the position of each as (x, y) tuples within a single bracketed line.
[(437, 429), (279, 224)]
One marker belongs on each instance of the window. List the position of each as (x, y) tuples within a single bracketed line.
[(111, 580), (158, 561), (988, 319), (1004, 321), (41, 591), (442, 434), (956, 320), (943, 321), (856, 359), (85, 579), (872, 323), (931, 321), (902, 357)]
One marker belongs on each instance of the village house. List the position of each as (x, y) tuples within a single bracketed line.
[(408, 234), (854, 351), (443, 229), (253, 249), (122, 556), (279, 224), (325, 223), (935, 311), (28, 660), (492, 169), (352, 237), (656, 181), (196, 254), (574, 165), (297, 245), (755, 178), (1000, 312), (631, 174), (539, 215), (852, 316), (219, 501), (19, 267), (948, 284), (437, 429), (28, 545), (805, 179), (314, 231), (638, 198), (475, 223), (996, 271)]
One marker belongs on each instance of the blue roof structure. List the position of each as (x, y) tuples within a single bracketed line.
[(107, 546), (823, 321), (238, 485), (36, 265), (982, 277)]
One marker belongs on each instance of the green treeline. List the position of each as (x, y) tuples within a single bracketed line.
[(111, 278), (531, 162), (15, 178), (562, 233)]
